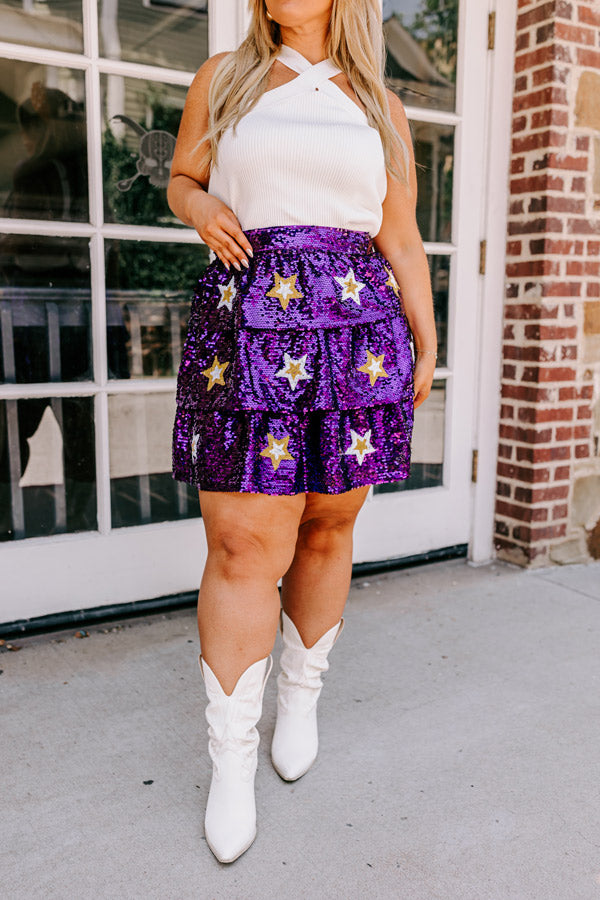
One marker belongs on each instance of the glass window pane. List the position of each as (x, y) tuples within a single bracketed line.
[(434, 157), (43, 155), (47, 467), (169, 33), (421, 43), (142, 488), (141, 121), (439, 267), (52, 23), (427, 456), (148, 296), (45, 332)]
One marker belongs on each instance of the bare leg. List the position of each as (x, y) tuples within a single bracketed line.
[(315, 587), (251, 539)]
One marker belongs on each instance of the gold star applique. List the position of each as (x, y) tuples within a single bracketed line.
[(215, 373), (294, 370), (351, 287), (228, 294), (195, 439), (391, 282), (277, 450), (360, 446), (373, 367), (285, 290)]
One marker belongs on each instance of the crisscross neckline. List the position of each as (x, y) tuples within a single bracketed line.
[(294, 60)]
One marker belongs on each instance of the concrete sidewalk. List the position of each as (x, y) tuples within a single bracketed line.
[(460, 753)]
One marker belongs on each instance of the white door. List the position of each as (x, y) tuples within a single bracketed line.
[(97, 277), (443, 88)]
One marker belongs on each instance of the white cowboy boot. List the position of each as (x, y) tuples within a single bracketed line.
[(296, 740), (230, 821)]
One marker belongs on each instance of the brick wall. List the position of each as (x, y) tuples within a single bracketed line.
[(548, 485)]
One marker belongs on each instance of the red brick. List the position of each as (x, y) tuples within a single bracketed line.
[(534, 226), (523, 473), (578, 184), (593, 290), (582, 451), (525, 435), (516, 207), (563, 433), (561, 289), (588, 15), (522, 41), (537, 455), (539, 139), (533, 267), (552, 245), (503, 488), (557, 161), (582, 431), (583, 226), (542, 118), (560, 511), (526, 393), (549, 74), (539, 332), (593, 248), (530, 311), (552, 203), (574, 33), (535, 353), (569, 352), (584, 412), (542, 12), (587, 57), (544, 97), (536, 183), (562, 473), (517, 165), (541, 495), (548, 373), (519, 123), (554, 414)]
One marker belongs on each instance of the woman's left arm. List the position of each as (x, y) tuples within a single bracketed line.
[(401, 244)]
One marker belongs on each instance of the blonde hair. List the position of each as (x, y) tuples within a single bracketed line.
[(355, 44)]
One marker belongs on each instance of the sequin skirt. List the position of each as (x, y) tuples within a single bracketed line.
[(297, 373)]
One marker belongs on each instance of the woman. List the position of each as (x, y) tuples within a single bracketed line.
[(297, 386)]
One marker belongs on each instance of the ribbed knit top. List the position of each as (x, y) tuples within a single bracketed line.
[(304, 155)]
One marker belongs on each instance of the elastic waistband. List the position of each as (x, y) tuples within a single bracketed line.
[(310, 237)]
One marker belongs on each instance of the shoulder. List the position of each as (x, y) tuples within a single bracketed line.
[(205, 73), (398, 114)]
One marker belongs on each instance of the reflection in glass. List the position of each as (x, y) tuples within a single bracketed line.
[(141, 121), (142, 487), (43, 156), (47, 467), (52, 23), (427, 448), (45, 332), (148, 294), (421, 43), (168, 33), (439, 267), (434, 157)]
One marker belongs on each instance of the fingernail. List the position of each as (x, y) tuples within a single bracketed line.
[(238, 267), (226, 264), (250, 252), (246, 263)]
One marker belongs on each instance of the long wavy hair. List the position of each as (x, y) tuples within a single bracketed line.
[(355, 44)]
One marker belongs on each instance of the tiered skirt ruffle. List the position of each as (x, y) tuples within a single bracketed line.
[(297, 373)]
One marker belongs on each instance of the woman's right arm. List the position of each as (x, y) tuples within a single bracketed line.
[(187, 191)]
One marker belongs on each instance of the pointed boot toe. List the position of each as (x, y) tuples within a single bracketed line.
[(295, 744)]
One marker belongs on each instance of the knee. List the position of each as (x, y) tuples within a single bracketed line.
[(327, 535), (241, 554)]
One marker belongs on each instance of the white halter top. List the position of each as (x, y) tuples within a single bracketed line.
[(304, 155)]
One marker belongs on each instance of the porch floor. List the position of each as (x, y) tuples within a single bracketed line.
[(460, 753)]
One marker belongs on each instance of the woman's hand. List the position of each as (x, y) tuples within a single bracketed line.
[(219, 229), (423, 377)]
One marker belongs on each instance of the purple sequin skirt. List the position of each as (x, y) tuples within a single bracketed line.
[(297, 373)]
